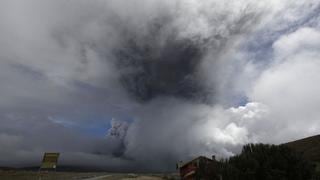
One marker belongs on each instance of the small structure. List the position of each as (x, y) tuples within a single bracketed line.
[(200, 168), (49, 161)]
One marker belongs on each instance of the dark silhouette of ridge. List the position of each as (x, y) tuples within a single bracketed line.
[(309, 147)]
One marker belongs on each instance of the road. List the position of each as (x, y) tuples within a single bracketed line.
[(124, 177), (98, 177)]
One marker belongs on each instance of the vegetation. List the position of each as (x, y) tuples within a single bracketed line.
[(267, 162)]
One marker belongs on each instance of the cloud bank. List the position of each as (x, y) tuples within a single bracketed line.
[(164, 80)]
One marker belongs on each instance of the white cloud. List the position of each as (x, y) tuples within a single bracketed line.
[(303, 42), (290, 86)]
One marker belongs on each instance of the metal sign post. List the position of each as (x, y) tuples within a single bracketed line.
[(49, 162)]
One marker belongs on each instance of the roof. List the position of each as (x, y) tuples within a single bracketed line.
[(199, 157)]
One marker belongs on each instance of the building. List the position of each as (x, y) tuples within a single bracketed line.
[(200, 168)]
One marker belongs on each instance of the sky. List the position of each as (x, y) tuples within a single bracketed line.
[(138, 85)]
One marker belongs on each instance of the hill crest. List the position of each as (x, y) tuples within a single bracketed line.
[(309, 147)]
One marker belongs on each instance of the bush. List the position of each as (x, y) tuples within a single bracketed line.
[(267, 162)]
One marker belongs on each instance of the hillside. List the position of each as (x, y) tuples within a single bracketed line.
[(310, 147)]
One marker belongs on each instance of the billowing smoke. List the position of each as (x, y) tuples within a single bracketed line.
[(160, 65), (162, 80)]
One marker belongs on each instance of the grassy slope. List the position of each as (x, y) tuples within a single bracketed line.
[(309, 147)]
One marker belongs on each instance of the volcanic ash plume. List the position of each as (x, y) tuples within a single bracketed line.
[(174, 78)]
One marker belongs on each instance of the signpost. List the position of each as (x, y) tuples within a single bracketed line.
[(49, 161)]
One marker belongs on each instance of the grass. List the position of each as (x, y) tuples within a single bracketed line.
[(29, 175)]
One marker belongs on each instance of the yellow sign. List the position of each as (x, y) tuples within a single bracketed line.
[(50, 161)]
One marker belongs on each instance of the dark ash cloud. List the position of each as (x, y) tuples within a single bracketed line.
[(164, 78), (159, 63)]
